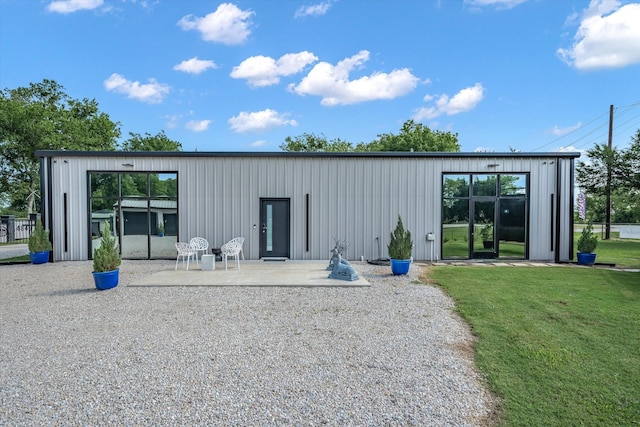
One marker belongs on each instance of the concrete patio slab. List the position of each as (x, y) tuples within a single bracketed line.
[(251, 273)]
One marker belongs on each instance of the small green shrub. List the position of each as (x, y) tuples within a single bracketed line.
[(400, 245), (588, 241), (39, 239), (106, 256)]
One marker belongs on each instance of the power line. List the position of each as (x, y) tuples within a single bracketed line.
[(569, 133), (619, 127)]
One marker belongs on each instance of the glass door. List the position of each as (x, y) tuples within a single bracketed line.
[(483, 235)]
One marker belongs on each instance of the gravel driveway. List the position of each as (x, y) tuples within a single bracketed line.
[(391, 354)]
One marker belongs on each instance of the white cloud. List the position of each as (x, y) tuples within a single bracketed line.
[(500, 4), (172, 121), (195, 65), (313, 10), (461, 102), (151, 93), (608, 37), (259, 143), (332, 83), (70, 6), (263, 71), (259, 121), (570, 149), (198, 125), (227, 25), (557, 131)]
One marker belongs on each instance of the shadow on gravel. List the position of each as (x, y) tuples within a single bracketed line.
[(68, 292)]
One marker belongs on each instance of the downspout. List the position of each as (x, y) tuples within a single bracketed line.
[(558, 210)]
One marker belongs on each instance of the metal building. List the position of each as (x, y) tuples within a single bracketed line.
[(297, 205)]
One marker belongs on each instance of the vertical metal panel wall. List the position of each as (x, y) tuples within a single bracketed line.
[(352, 198)]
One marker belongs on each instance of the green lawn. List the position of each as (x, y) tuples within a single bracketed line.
[(623, 253), (559, 345)]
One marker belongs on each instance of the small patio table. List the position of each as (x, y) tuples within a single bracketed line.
[(208, 263)]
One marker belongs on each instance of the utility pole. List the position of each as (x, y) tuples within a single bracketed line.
[(607, 232)]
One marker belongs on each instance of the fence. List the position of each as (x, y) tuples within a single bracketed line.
[(16, 229)]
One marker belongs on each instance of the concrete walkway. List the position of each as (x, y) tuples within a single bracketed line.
[(251, 273)]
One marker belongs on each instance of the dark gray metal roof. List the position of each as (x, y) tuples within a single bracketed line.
[(284, 154)]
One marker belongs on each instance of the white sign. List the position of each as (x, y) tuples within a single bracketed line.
[(630, 231)]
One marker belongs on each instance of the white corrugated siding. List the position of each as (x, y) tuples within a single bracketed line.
[(356, 199)]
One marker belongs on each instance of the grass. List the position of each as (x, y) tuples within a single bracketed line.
[(16, 259), (624, 253), (559, 345)]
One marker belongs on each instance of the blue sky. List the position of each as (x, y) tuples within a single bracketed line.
[(532, 75)]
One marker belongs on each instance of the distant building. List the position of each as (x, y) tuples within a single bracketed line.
[(295, 205)]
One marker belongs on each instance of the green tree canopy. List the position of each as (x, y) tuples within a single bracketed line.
[(310, 142), (624, 167), (592, 175), (148, 142), (412, 137), (629, 171), (43, 117)]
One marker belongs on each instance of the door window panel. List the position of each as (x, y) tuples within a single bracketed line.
[(512, 228)]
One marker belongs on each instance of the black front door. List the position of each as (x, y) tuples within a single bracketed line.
[(274, 222)]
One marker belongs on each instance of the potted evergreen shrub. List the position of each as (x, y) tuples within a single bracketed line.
[(400, 247), (587, 243), (106, 261), (39, 244)]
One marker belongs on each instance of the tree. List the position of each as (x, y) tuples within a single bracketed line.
[(624, 166), (414, 137), (310, 142), (592, 176), (159, 142), (43, 117), (630, 164)]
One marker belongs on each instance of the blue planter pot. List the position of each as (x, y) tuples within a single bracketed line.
[(39, 257), (400, 266), (106, 279), (585, 258)]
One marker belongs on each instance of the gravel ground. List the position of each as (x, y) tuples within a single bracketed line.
[(393, 354)]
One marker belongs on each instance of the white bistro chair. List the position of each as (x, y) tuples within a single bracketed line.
[(185, 252), (233, 248), (199, 244)]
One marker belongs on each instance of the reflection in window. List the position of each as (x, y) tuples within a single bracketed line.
[(498, 203), (455, 228), (142, 209), (513, 185), (512, 229), (455, 186), (485, 185)]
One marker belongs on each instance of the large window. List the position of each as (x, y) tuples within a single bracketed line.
[(141, 209), (484, 216)]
